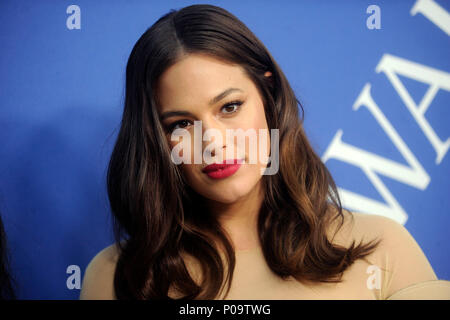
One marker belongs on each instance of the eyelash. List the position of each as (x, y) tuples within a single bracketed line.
[(237, 103)]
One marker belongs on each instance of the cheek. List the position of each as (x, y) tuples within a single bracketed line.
[(258, 122), (261, 123), (180, 150), (189, 173)]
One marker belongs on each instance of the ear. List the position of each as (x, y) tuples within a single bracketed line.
[(267, 74)]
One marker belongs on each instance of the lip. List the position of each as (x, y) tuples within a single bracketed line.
[(222, 170)]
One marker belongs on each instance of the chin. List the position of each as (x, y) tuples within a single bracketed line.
[(229, 192)]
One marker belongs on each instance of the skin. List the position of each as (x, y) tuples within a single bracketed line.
[(189, 85)]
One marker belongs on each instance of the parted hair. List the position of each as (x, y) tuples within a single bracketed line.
[(158, 216)]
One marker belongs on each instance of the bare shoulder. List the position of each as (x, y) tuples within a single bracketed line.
[(98, 281)]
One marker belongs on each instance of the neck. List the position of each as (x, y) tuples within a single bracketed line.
[(240, 218)]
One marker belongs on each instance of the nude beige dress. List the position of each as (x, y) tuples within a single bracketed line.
[(398, 270)]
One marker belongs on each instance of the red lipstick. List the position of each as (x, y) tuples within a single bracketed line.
[(222, 170)]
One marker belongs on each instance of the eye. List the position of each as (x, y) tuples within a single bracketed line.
[(232, 107), (183, 124)]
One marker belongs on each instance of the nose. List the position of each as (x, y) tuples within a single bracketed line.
[(211, 151), (214, 139)]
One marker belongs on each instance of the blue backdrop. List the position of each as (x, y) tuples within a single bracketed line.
[(374, 82)]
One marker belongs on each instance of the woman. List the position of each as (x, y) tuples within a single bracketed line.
[(7, 283), (192, 230)]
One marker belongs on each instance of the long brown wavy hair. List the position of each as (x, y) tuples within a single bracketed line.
[(157, 216)]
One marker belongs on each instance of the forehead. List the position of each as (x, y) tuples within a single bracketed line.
[(196, 78)]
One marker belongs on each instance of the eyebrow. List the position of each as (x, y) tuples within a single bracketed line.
[(214, 100)]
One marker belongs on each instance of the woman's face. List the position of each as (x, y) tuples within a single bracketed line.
[(190, 86)]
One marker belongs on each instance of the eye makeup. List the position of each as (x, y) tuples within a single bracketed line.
[(237, 103)]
